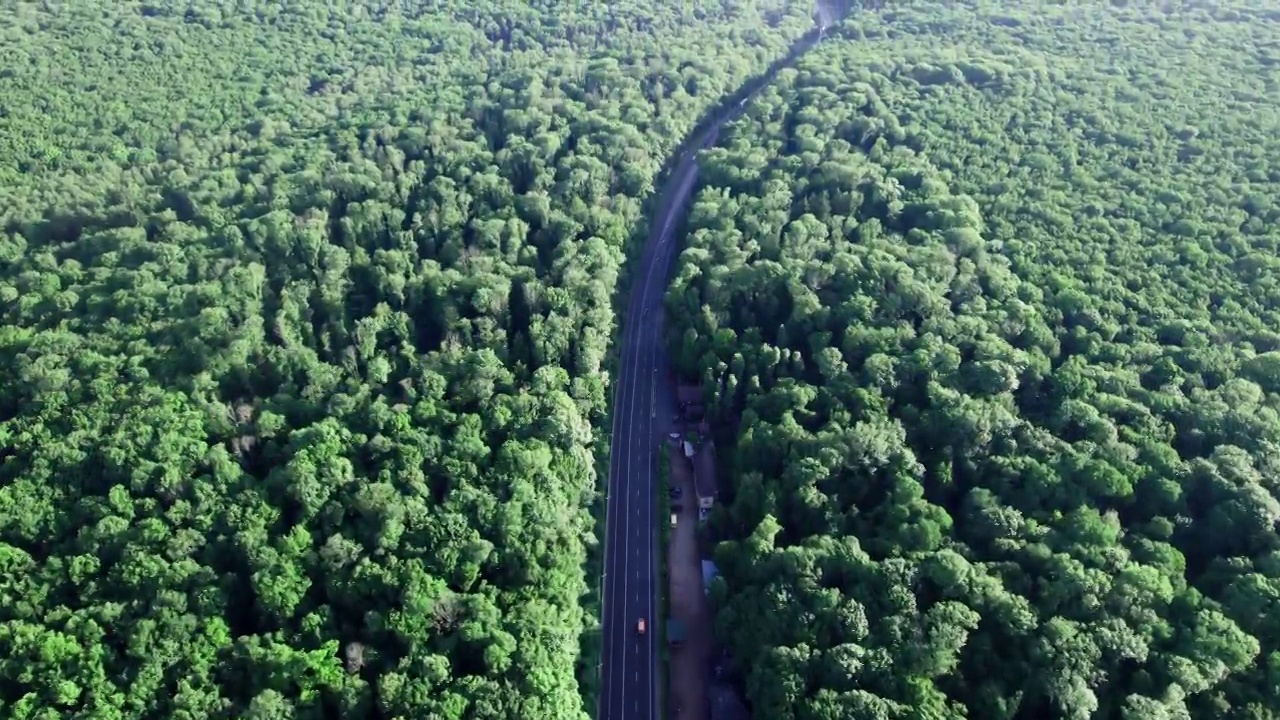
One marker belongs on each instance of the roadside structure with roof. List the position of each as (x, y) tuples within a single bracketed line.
[(704, 475), (675, 631)]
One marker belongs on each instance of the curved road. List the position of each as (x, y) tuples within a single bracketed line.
[(644, 402)]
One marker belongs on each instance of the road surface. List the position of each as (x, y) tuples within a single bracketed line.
[(644, 403), (643, 406)]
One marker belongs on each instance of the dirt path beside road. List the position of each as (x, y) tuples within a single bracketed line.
[(689, 662)]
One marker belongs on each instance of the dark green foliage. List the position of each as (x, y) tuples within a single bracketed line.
[(988, 299), (304, 311)]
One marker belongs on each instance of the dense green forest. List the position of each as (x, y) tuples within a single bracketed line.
[(305, 321), (989, 301)]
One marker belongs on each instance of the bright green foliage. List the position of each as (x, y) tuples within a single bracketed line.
[(989, 299), (304, 316)]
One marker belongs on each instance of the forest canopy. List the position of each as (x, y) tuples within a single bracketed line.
[(305, 321), (988, 300)]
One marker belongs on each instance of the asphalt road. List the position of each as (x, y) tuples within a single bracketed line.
[(644, 403)]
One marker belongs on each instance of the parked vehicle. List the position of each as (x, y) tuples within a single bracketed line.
[(673, 519), (675, 632)]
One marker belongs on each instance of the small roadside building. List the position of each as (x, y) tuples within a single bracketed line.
[(709, 573), (704, 475), (675, 632)]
